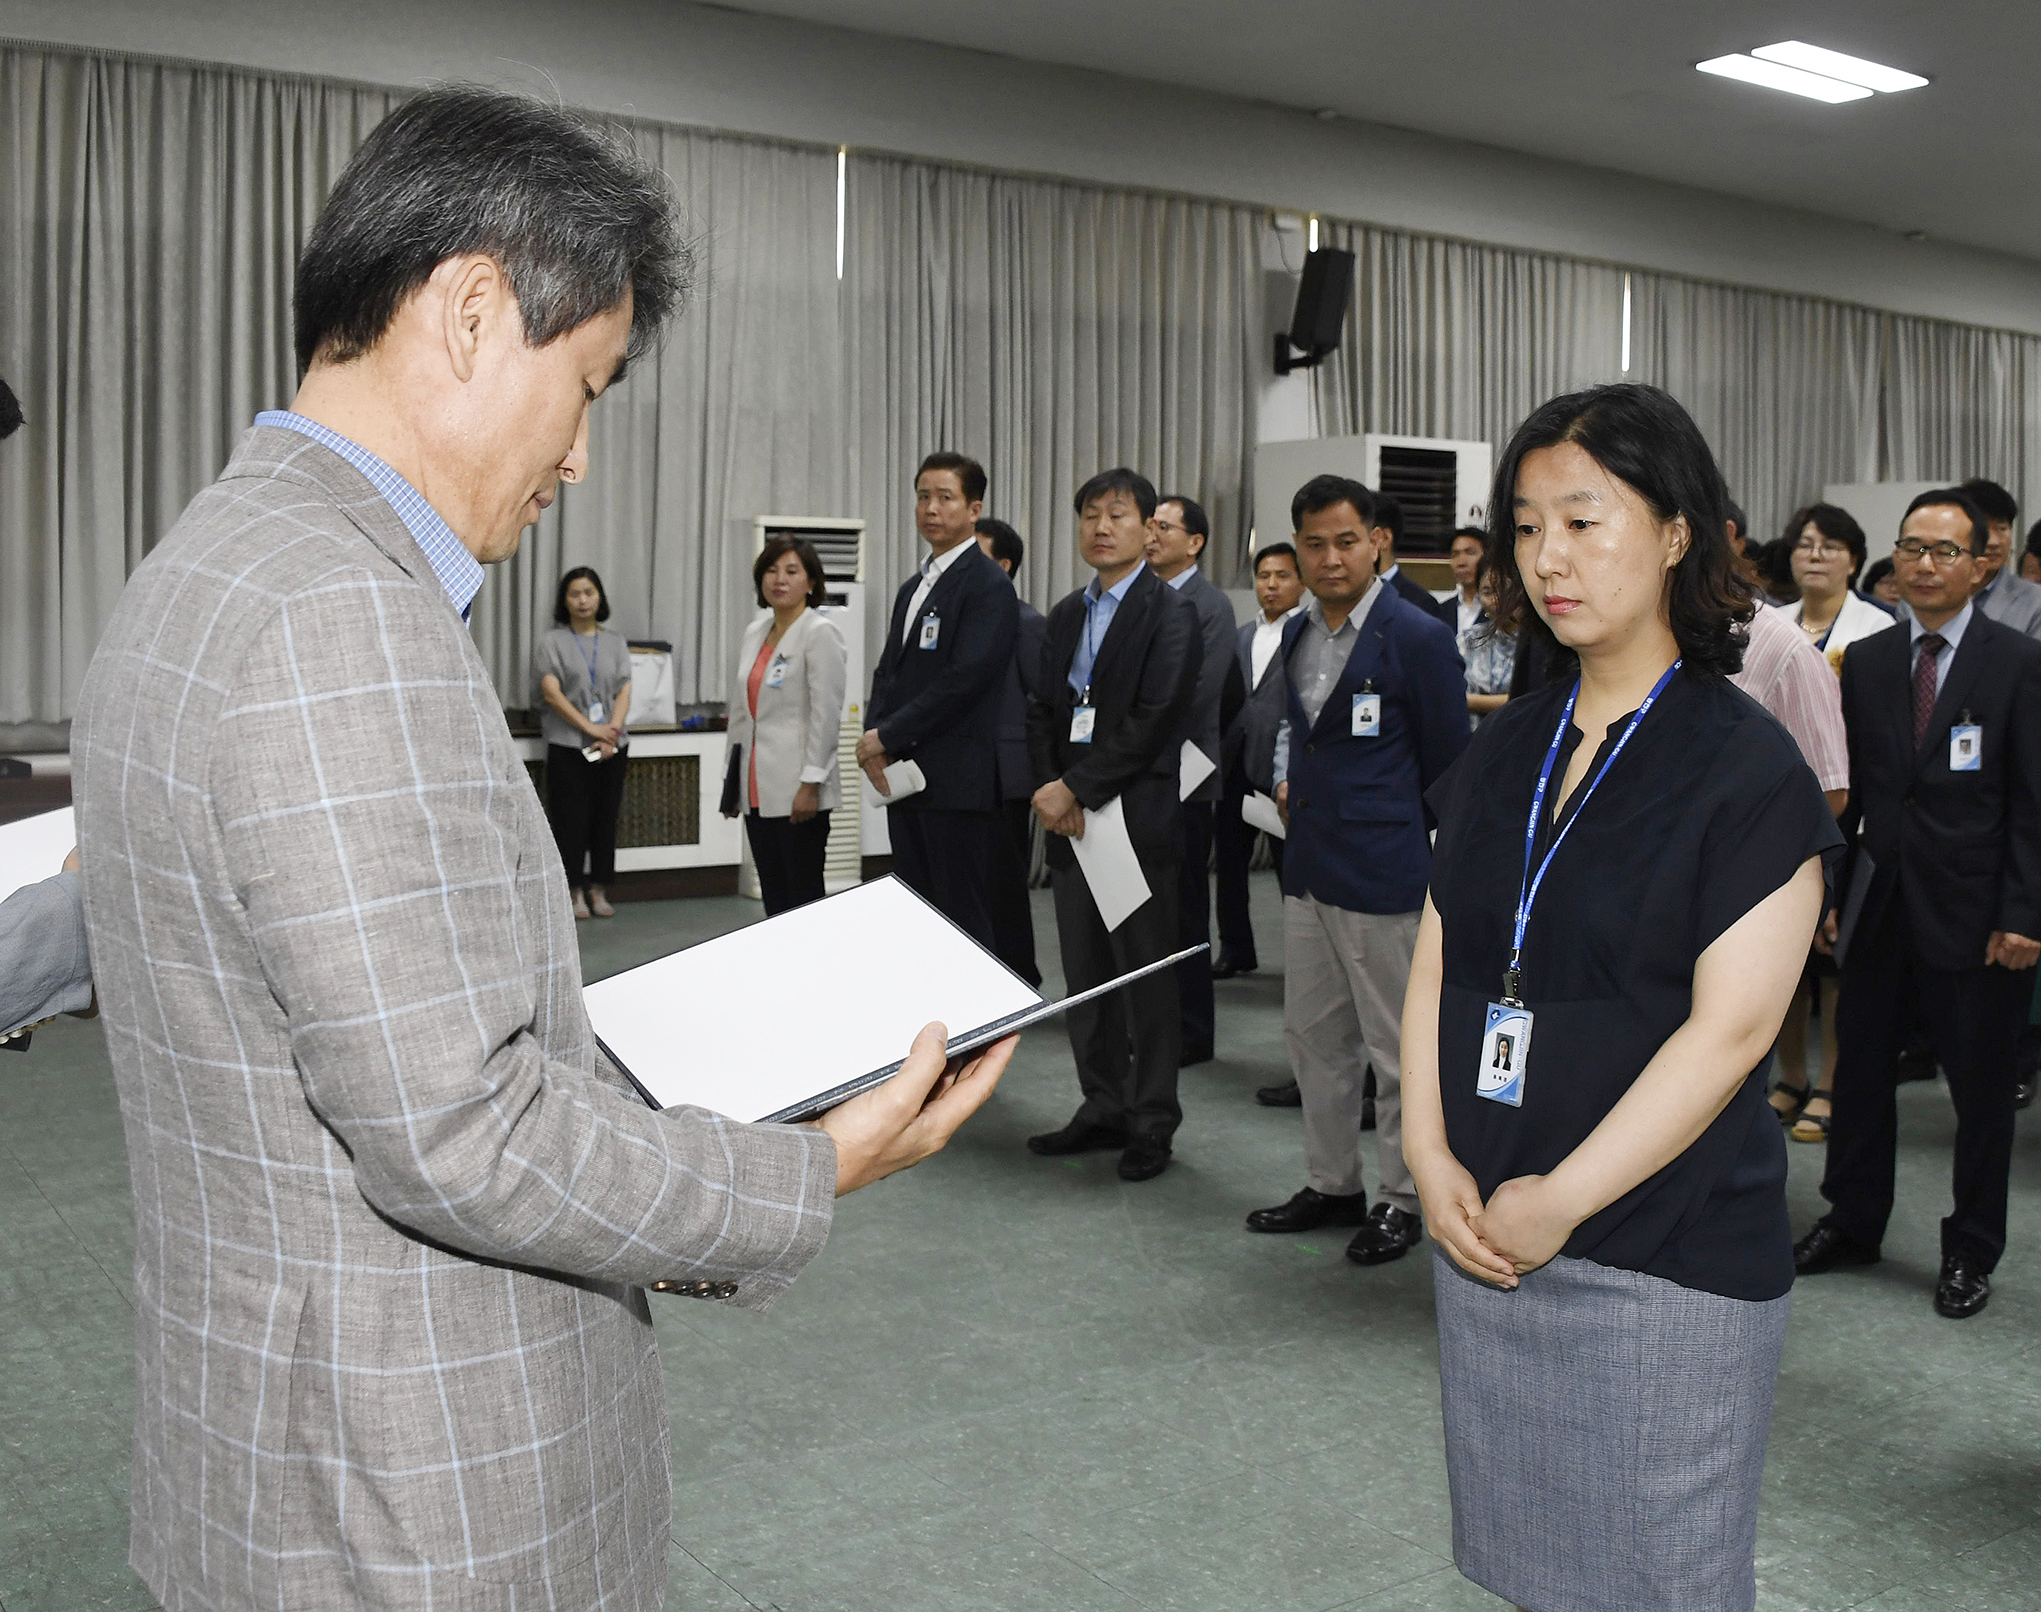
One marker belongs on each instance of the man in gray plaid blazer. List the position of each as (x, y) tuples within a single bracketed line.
[(394, 1216)]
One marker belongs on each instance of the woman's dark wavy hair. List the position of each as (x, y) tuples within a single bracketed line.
[(1642, 437), (560, 598)]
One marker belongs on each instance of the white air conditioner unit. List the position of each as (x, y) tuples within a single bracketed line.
[(840, 541), (1441, 483)]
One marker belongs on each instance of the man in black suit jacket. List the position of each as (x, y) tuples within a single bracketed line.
[(1386, 518), (1177, 537), (1247, 754), (1107, 721), (1013, 920), (936, 698), (1944, 720)]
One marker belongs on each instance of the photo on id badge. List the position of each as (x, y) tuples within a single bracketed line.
[(1505, 1049), (1966, 746)]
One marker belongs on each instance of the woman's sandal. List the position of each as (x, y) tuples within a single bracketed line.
[(1801, 1097), (1814, 1127)]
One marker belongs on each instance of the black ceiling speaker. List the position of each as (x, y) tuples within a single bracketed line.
[(1322, 297)]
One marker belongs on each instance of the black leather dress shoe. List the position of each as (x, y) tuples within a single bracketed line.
[(1964, 1289), (1388, 1233), (1309, 1210), (1284, 1096), (1145, 1158), (1226, 968), (1826, 1248), (1077, 1137), (1193, 1055)]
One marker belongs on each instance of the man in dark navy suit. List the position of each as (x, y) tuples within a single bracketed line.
[(1943, 713), (1376, 713), (1178, 534), (1013, 920), (1248, 752), (1107, 721), (936, 698)]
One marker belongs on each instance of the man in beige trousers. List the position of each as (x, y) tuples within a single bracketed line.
[(395, 1217)]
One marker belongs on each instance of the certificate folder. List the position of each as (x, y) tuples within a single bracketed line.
[(785, 1019)]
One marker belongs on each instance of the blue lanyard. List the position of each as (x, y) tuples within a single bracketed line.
[(589, 660), (1527, 891)]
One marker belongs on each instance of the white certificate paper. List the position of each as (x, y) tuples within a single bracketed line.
[(33, 849), (1193, 767), (1111, 869), (903, 778), (1258, 811)]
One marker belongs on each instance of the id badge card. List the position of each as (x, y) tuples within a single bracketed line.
[(777, 674), (1082, 720), (1505, 1050), (595, 710), (1966, 747), (931, 628), (1367, 716)]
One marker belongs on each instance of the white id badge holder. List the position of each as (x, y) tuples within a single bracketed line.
[(1083, 718), (1505, 1050), (1367, 713), (1966, 745), (777, 676), (931, 629), (595, 710)]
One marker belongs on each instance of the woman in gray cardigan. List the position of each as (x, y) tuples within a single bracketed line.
[(583, 675), (786, 714)]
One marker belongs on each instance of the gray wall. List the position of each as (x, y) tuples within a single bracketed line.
[(693, 64)]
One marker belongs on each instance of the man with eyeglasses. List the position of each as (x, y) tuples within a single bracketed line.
[(1944, 815)]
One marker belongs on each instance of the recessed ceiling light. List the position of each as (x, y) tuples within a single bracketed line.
[(1834, 64), (1778, 76)]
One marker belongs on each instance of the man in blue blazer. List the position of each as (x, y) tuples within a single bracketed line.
[(1013, 920), (937, 696), (1376, 712)]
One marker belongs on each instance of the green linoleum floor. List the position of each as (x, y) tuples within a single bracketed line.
[(1012, 1383)]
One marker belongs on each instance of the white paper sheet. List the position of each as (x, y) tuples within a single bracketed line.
[(1193, 767), (762, 1019), (903, 778), (1258, 811), (33, 849), (1111, 869)]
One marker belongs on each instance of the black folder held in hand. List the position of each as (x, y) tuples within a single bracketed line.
[(785, 1019)]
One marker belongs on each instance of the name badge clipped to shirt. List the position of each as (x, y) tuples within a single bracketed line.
[(931, 628), (1966, 746), (1083, 718), (1505, 1050), (776, 675), (1367, 714)]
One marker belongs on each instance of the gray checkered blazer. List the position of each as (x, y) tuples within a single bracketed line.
[(393, 1220)]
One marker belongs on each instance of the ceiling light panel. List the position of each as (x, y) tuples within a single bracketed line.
[(1778, 76), (1834, 64)]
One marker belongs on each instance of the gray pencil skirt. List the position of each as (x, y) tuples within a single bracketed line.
[(1605, 1437)]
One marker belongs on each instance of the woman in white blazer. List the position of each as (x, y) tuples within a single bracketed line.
[(786, 713), (1827, 548)]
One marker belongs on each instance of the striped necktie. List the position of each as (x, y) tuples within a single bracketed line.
[(1930, 644)]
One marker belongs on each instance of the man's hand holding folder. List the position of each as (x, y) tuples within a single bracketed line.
[(895, 1126)]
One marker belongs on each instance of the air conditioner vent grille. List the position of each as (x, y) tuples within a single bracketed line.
[(1423, 481)]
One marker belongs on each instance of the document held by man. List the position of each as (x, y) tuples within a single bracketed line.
[(903, 778), (1258, 811), (787, 1018), (33, 849), (1193, 767), (1106, 858)]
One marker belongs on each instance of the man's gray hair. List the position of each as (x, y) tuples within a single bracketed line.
[(573, 214)]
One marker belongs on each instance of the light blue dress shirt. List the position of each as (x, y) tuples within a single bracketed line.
[(1952, 634), (458, 571), (1183, 576), (1100, 606)]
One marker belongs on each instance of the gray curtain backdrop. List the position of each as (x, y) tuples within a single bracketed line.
[(150, 214), (1451, 339)]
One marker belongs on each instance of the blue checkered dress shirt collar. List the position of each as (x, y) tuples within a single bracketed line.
[(459, 572)]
